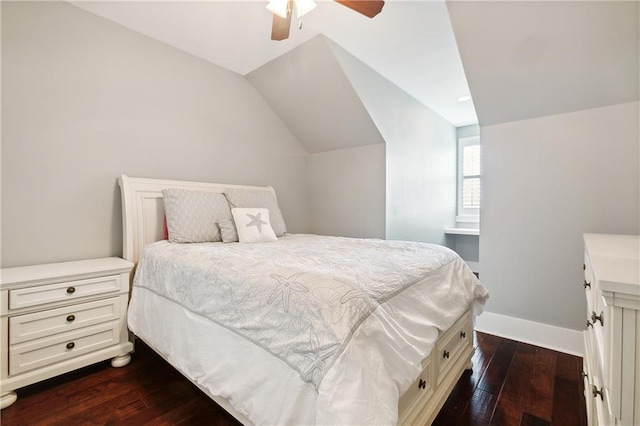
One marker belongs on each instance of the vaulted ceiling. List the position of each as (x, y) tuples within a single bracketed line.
[(410, 43), (518, 59)]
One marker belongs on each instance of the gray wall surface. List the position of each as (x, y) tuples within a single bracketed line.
[(309, 90), (421, 156), (85, 100), (467, 246), (346, 192), (468, 131), (546, 181)]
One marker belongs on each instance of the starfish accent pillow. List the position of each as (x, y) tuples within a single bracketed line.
[(253, 225), (258, 198)]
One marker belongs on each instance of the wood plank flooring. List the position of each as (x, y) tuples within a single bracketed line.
[(511, 383)]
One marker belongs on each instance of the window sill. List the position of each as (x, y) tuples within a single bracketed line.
[(462, 231)]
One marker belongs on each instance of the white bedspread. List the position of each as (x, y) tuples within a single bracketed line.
[(306, 330)]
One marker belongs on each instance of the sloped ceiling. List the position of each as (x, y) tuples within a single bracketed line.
[(308, 89), (532, 59), (410, 43)]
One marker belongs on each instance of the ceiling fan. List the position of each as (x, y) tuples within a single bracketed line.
[(282, 11)]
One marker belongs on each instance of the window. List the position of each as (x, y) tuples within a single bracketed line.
[(468, 179)]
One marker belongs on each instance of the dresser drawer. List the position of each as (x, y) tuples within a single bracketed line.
[(601, 408), (459, 336), (38, 295), (600, 339), (48, 350), (588, 283), (587, 375), (418, 392), (53, 321)]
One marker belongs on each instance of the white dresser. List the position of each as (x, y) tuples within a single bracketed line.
[(59, 317), (612, 340)]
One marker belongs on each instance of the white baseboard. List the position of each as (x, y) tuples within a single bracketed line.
[(535, 333)]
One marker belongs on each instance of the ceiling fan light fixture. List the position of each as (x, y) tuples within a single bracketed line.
[(304, 6), (279, 7)]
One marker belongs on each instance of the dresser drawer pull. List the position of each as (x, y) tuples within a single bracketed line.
[(463, 334), (595, 318), (445, 354), (71, 290), (589, 324), (422, 384), (597, 392), (586, 284), (71, 318), (584, 267), (584, 375), (71, 345)]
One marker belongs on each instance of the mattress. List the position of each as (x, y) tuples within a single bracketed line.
[(305, 330)]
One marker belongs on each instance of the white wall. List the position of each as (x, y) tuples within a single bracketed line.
[(85, 100), (346, 192), (546, 181), (421, 175), (420, 156)]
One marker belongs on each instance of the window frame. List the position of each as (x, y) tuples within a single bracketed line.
[(466, 214)]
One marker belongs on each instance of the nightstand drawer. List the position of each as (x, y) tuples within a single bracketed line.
[(38, 295), (459, 336), (27, 327), (48, 350)]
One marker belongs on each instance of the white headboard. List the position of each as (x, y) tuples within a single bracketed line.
[(143, 209)]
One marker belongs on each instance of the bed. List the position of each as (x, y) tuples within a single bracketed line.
[(303, 329)]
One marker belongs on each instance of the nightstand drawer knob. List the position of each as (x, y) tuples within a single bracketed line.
[(71, 290), (71, 345), (463, 334), (71, 318), (445, 354)]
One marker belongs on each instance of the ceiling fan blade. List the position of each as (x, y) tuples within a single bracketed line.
[(280, 26), (366, 7)]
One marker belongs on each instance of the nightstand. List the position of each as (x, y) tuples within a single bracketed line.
[(59, 317)]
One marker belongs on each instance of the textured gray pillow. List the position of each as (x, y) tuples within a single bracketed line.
[(228, 231), (193, 216), (258, 198)]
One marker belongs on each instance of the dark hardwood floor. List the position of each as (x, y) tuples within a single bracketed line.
[(511, 383)]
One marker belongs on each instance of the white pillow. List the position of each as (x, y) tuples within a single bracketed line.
[(258, 198), (253, 225)]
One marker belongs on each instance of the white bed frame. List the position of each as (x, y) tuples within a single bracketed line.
[(143, 222)]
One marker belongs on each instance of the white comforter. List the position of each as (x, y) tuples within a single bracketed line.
[(338, 326)]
